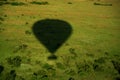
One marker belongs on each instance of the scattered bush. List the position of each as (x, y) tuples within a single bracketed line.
[(17, 3), (70, 72), (103, 4), (39, 3), (1, 3), (28, 32), (66, 60), (90, 55), (100, 60), (22, 14), (26, 23), (1, 68), (40, 75), (71, 78), (98, 64), (116, 65), (18, 77), (38, 62), (69, 2), (4, 2), (83, 67), (12, 3), (96, 3), (60, 66), (106, 53), (5, 15), (15, 61), (47, 66), (21, 48), (1, 19), (11, 75), (72, 51), (66, 44), (117, 78), (2, 29), (28, 60)]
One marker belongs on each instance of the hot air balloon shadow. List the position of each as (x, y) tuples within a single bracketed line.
[(52, 33)]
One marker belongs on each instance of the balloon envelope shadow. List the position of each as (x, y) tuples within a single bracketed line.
[(52, 33)]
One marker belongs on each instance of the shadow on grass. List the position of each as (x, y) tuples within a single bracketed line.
[(11, 3), (52, 33)]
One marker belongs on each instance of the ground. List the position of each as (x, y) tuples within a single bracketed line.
[(92, 51)]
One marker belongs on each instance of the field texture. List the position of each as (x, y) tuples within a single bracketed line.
[(87, 49)]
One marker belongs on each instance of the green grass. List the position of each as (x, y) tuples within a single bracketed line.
[(91, 53)]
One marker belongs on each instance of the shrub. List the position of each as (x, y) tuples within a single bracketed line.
[(72, 51), (26, 23), (38, 62), (66, 60), (103, 4), (28, 32), (106, 53), (47, 66), (1, 3), (12, 3), (98, 64), (100, 60), (18, 77), (22, 14), (83, 67), (90, 55), (2, 29), (60, 66), (1, 68), (39, 3), (5, 15), (69, 2), (11, 75), (116, 65), (71, 78), (70, 72), (117, 78), (1, 19), (15, 61), (17, 3), (96, 3), (3, 0), (21, 47), (40, 75)]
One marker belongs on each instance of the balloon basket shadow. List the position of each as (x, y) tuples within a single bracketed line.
[(52, 57)]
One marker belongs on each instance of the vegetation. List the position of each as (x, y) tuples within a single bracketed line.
[(13, 3), (91, 52), (1, 68), (103, 4), (16, 61), (39, 3)]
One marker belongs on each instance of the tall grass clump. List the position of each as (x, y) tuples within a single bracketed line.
[(39, 3), (17, 3), (12, 3)]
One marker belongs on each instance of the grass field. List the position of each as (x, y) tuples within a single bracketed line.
[(92, 52)]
